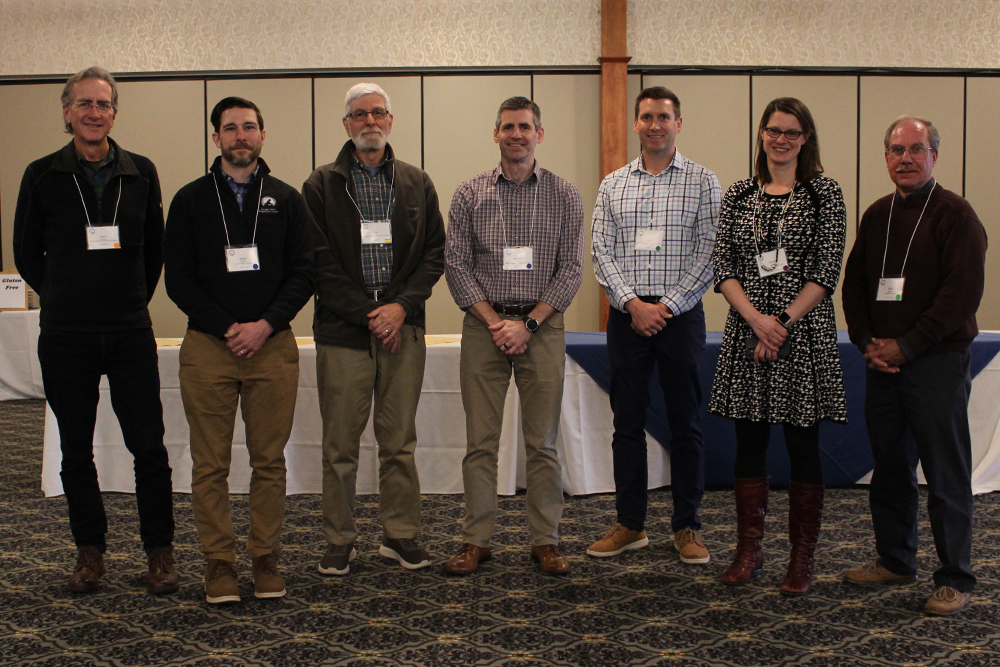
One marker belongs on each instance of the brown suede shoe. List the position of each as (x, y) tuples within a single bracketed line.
[(88, 571), (162, 579), (267, 581), (549, 559), (467, 560)]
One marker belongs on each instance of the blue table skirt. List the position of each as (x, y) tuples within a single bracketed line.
[(844, 449)]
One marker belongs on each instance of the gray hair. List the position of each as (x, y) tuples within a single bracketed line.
[(93, 72), (362, 89), (931, 130), (519, 104)]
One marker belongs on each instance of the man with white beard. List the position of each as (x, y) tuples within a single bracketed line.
[(379, 240)]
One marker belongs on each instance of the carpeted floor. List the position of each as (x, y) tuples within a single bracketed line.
[(643, 608)]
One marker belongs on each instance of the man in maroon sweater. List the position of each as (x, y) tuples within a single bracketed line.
[(912, 286)]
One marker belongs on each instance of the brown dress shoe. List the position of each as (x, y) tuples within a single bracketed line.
[(549, 559), (467, 560), (88, 571), (162, 579)]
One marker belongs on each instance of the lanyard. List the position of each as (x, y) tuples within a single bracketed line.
[(114, 221), (223, 212), (503, 225), (758, 225), (388, 205), (907, 255)]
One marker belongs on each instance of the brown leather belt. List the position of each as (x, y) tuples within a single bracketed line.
[(518, 311)]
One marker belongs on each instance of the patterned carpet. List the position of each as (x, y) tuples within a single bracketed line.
[(644, 608)]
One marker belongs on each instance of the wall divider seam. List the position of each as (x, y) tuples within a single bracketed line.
[(312, 93), (857, 159), (965, 129), (204, 128), (421, 121)]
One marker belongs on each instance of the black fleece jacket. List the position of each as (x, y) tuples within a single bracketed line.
[(81, 289), (196, 276)]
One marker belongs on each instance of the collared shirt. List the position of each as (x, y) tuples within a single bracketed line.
[(375, 201), (683, 200), (240, 189), (99, 173), (920, 194), (490, 212)]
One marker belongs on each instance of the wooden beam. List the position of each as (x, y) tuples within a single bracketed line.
[(614, 99)]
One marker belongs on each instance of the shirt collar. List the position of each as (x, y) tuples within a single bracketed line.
[(498, 173), (230, 179), (679, 162), (919, 195), (103, 162)]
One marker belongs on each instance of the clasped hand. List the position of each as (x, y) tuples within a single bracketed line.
[(245, 339), (884, 355), (511, 336), (771, 336), (386, 322), (648, 319)]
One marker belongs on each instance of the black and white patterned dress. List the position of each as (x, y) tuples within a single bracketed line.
[(808, 385)]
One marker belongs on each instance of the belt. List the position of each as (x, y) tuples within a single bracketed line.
[(374, 293), (650, 299), (513, 310)]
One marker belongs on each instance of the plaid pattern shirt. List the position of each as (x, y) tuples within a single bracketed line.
[(240, 189), (376, 201), (683, 200), (544, 212)]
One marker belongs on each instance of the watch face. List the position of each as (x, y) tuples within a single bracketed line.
[(531, 324)]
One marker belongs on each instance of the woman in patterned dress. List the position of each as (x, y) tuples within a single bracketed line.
[(777, 261)]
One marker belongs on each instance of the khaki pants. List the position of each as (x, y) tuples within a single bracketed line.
[(346, 379), (485, 377), (213, 381)]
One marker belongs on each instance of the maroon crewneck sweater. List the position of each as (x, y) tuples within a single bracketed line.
[(944, 273)]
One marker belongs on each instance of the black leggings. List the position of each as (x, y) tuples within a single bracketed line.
[(802, 444)]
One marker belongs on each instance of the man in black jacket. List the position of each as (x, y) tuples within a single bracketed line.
[(239, 263), (88, 233), (379, 239)]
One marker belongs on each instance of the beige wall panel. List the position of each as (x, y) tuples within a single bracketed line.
[(982, 185), (715, 134), (35, 130), (286, 105), (885, 98), (571, 109), (457, 146), (178, 153), (832, 100), (404, 93)]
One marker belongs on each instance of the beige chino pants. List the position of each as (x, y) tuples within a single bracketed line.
[(213, 382), (347, 380), (485, 376)]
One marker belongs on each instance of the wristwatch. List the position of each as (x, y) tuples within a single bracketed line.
[(785, 320), (531, 324)]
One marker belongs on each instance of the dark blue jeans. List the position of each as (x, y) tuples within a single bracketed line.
[(929, 396), (72, 365), (676, 351)]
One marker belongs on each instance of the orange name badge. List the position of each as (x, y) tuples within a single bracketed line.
[(103, 238)]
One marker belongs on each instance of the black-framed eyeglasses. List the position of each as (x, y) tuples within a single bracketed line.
[(102, 106), (917, 151), (791, 135), (359, 115)]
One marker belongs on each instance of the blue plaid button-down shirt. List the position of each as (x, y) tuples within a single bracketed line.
[(240, 189), (683, 200)]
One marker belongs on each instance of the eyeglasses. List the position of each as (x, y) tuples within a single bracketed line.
[(102, 106), (791, 135), (360, 115), (917, 151)]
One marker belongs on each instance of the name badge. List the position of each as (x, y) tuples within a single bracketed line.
[(242, 258), (518, 258), (890, 289), (103, 238), (376, 232), (650, 239), (771, 263)]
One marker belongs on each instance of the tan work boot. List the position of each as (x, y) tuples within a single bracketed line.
[(220, 582), (690, 547), (267, 582), (618, 539), (88, 570), (162, 578)]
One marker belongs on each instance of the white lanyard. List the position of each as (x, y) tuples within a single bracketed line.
[(114, 221), (223, 212), (887, 225), (758, 226), (531, 227), (388, 205)]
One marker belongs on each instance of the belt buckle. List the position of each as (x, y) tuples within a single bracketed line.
[(375, 293)]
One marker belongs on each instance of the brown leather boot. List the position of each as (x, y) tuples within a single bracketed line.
[(751, 507), (805, 513)]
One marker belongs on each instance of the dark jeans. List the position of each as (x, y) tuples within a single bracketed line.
[(72, 365), (929, 396), (676, 350)]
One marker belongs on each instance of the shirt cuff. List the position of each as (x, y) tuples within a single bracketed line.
[(906, 349)]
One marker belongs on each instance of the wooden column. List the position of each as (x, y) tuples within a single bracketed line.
[(614, 99)]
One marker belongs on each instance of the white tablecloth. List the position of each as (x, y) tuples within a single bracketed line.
[(20, 374)]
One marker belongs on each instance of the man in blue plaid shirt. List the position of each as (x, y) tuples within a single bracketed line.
[(654, 230)]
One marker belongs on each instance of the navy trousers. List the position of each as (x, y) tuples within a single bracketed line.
[(676, 351), (72, 364), (929, 396)]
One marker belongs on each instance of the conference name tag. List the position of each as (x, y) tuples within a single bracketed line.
[(650, 239), (890, 289), (376, 232), (771, 263), (242, 258), (518, 258), (103, 238)]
